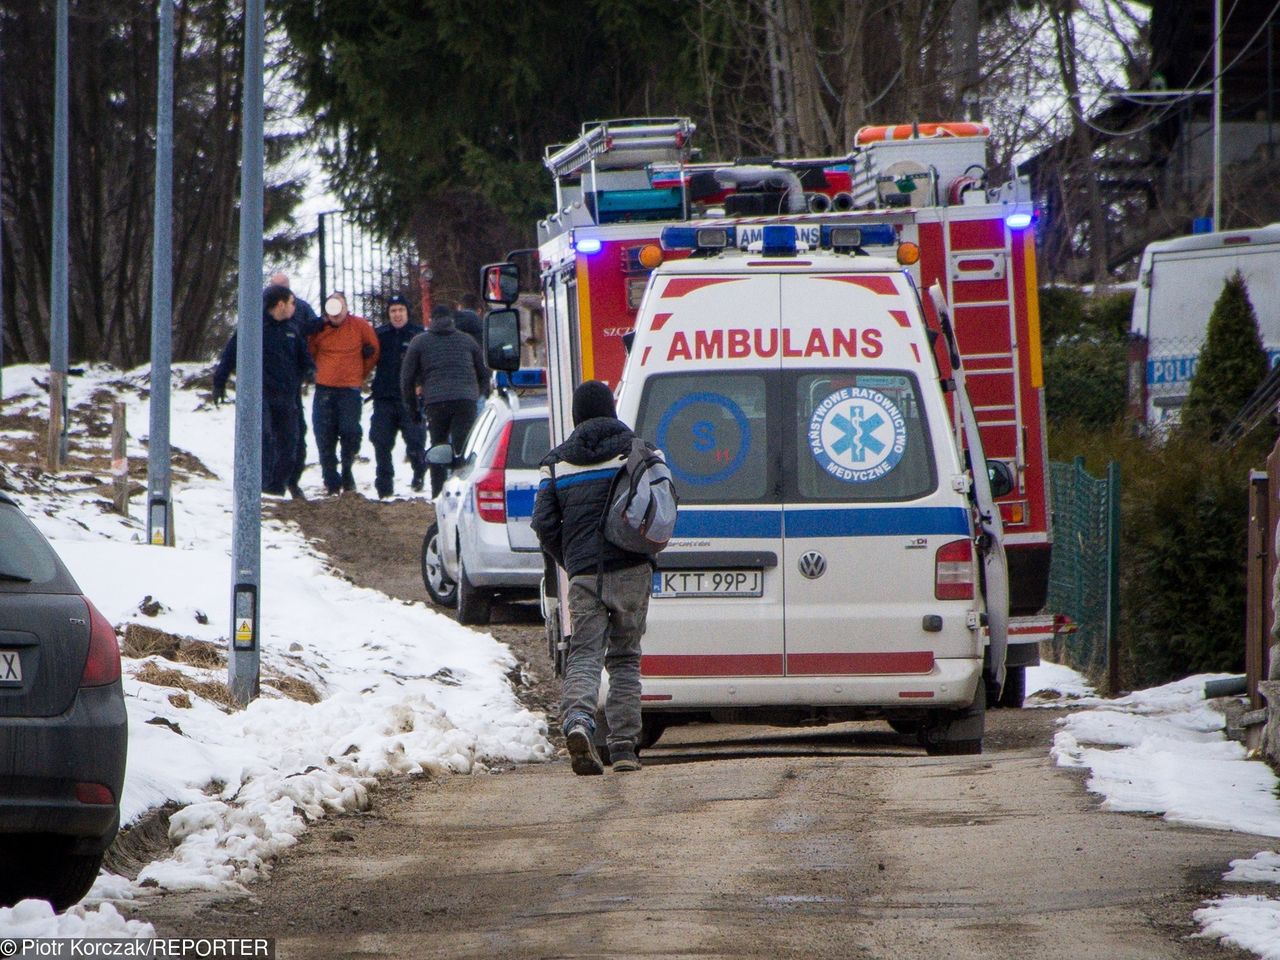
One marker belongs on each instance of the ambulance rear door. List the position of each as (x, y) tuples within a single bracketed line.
[(707, 398), (869, 504)]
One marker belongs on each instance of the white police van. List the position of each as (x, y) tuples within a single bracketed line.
[(835, 558), (825, 564)]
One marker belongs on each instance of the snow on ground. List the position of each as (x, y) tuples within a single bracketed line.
[(1164, 751), (402, 689)]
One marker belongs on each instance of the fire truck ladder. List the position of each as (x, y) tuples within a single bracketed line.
[(628, 144)]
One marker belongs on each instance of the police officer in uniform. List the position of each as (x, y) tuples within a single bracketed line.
[(390, 415)]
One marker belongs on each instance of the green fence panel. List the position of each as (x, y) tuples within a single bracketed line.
[(1083, 576)]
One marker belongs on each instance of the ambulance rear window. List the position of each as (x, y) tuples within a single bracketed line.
[(858, 437), (715, 433)]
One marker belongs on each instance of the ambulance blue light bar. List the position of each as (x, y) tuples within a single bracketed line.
[(587, 245), (698, 238), (778, 240), (844, 236), (1018, 221)]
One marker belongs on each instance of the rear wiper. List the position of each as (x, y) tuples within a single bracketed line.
[(14, 577)]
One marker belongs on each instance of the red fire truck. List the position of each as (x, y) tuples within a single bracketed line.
[(917, 193)]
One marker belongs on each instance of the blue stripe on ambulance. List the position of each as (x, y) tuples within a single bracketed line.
[(824, 522)]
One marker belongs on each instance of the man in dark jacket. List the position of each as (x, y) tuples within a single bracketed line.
[(307, 322), (444, 370), (467, 317), (390, 413), (285, 362), (608, 587)]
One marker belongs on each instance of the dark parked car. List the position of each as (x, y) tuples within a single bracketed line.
[(63, 730)]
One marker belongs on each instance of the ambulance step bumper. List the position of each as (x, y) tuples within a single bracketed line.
[(949, 683)]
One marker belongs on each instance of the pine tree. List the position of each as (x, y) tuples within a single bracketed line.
[(1232, 362)]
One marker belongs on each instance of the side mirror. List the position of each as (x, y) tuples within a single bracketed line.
[(500, 283), (502, 340), (1000, 476), (441, 455)]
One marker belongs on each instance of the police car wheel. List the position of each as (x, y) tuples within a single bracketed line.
[(474, 606), (553, 643), (440, 588)]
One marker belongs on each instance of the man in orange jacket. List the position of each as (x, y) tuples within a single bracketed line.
[(345, 350)]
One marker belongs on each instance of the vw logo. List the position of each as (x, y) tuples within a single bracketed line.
[(813, 565)]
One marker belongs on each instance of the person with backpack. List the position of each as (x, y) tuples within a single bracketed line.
[(588, 484)]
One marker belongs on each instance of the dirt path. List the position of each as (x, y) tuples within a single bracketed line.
[(842, 842)]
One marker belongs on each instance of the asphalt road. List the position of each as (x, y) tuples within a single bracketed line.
[(735, 842)]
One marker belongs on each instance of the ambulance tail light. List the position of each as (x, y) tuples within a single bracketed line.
[(953, 571), (491, 488)]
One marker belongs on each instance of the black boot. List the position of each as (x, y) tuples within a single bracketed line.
[(348, 481)]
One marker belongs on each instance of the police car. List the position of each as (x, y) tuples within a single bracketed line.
[(481, 546), (826, 563)]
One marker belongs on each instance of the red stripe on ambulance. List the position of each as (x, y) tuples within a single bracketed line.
[(859, 664), (659, 320), (712, 665), (901, 317), (679, 286), (883, 286)]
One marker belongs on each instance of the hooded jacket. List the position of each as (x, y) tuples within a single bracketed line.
[(573, 493), (446, 363)]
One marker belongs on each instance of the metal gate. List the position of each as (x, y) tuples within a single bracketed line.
[(1084, 576), (368, 269)]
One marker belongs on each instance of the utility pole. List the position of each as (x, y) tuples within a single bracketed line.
[(1217, 115), (246, 541), (159, 506), (964, 28), (59, 415)]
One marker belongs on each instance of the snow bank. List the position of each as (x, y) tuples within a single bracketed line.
[(1164, 751), (403, 690)]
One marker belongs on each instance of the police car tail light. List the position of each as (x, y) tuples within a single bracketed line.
[(102, 665), (491, 488), (953, 571)]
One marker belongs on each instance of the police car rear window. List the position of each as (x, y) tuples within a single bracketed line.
[(791, 436), (530, 442), (27, 562)]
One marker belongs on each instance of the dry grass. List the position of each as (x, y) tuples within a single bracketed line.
[(213, 690), (141, 641), (292, 687)]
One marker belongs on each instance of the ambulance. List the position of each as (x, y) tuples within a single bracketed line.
[(917, 194), (836, 556)]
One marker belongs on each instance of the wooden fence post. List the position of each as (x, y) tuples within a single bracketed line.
[(53, 453), (119, 461)]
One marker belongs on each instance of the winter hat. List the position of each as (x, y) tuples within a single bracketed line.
[(441, 318), (396, 300), (592, 399)]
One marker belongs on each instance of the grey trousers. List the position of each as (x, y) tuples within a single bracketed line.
[(606, 634)]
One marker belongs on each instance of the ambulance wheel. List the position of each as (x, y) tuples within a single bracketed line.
[(959, 732), (475, 606), (440, 588), (1015, 689), (904, 726), (601, 738), (651, 728)]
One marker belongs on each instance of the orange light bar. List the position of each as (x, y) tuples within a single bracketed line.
[(908, 253), (1014, 512)]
